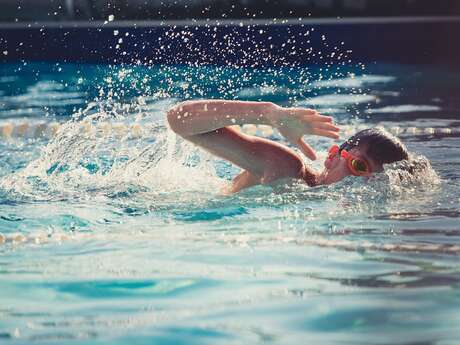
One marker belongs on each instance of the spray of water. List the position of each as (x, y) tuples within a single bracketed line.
[(80, 164), (93, 157)]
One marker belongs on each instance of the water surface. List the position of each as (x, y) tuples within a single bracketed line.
[(111, 238)]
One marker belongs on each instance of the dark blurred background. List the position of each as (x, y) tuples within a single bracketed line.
[(64, 10)]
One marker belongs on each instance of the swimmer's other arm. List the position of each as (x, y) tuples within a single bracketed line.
[(207, 124)]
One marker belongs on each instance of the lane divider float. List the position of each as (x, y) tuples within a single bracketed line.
[(43, 129)]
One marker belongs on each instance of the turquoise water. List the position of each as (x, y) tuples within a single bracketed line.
[(115, 238)]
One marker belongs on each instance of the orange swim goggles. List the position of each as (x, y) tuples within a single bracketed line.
[(356, 165)]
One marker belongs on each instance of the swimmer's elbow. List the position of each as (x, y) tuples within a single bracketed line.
[(175, 117), (171, 116)]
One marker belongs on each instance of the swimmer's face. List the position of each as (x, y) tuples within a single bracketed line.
[(337, 167)]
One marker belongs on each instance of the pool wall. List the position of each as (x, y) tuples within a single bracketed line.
[(414, 40)]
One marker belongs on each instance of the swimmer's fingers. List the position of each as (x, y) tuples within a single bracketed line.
[(317, 117), (306, 149), (321, 128), (326, 126), (320, 125), (294, 136), (326, 133)]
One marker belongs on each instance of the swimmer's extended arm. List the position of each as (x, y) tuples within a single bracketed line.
[(207, 123)]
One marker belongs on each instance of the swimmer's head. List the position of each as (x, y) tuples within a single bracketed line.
[(363, 154)]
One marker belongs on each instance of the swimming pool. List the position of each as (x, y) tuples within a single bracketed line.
[(114, 231)]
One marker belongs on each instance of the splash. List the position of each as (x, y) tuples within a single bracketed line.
[(82, 161), (401, 186), (416, 172)]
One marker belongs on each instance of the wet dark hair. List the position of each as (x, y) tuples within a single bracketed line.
[(379, 145)]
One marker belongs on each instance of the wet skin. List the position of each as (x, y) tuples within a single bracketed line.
[(210, 125)]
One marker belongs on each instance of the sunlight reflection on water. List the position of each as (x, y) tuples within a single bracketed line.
[(110, 238)]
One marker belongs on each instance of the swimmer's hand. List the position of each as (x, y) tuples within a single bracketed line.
[(294, 123)]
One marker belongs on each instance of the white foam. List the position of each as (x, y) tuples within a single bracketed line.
[(169, 164)]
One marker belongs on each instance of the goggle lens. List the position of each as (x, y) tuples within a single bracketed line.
[(359, 165)]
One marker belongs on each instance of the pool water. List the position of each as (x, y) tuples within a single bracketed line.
[(115, 238)]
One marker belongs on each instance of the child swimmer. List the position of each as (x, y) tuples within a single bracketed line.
[(207, 123)]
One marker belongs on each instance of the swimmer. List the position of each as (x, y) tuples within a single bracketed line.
[(208, 124)]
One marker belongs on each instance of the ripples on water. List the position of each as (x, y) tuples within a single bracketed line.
[(109, 238)]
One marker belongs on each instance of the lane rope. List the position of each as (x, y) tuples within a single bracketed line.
[(43, 129)]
